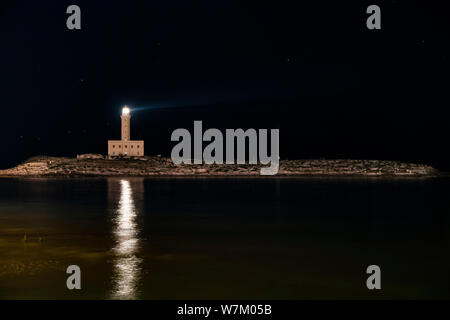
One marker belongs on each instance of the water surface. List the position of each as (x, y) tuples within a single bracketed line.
[(204, 238)]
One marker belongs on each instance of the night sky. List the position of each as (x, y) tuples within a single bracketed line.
[(310, 68)]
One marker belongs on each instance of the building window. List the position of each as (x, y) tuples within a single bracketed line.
[(131, 147), (126, 146), (138, 146), (114, 146)]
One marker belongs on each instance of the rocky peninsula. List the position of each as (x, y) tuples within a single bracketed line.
[(98, 165)]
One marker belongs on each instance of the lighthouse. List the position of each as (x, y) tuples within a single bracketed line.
[(126, 146)]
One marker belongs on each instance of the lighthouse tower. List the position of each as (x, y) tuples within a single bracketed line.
[(125, 123), (125, 146)]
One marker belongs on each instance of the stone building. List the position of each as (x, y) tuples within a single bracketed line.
[(126, 147)]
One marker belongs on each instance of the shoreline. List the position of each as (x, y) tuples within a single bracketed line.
[(241, 177), (89, 165)]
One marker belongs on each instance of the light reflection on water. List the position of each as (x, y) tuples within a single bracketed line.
[(126, 263)]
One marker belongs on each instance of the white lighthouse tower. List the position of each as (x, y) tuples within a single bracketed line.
[(125, 146)]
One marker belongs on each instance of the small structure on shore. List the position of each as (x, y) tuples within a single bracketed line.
[(92, 156), (125, 146)]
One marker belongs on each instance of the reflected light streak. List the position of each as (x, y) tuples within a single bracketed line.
[(126, 262)]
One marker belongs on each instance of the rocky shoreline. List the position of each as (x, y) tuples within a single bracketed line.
[(97, 165)]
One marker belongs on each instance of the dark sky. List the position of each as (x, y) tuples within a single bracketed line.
[(311, 68)]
